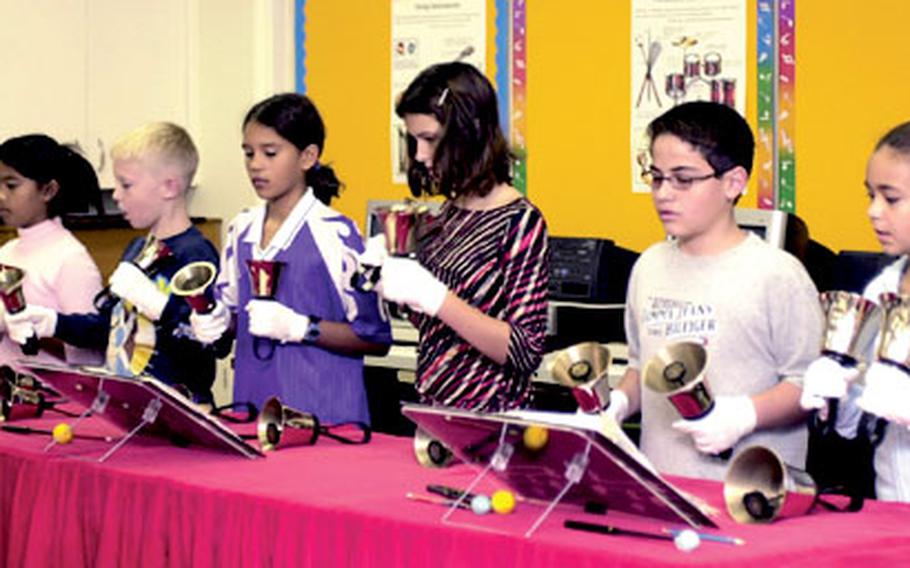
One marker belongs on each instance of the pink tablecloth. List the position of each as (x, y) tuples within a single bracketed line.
[(153, 504)]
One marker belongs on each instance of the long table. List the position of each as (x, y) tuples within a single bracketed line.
[(153, 504)]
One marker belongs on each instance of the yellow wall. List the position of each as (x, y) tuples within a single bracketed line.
[(852, 85)]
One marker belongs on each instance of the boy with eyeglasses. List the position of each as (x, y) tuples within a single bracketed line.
[(752, 306)]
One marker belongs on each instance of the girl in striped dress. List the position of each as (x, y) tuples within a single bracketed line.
[(479, 286)]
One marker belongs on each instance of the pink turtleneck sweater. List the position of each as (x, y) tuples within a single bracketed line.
[(59, 274)]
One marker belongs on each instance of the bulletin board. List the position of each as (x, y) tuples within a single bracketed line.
[(510, 46), (576, 117)]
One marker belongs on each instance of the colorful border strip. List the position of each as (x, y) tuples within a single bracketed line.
[(776, 90), (300, 45), (764, 149), (786, 115), (503, 49), (511, 82), (519, 92)]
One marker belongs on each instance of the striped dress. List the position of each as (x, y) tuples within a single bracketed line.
[(496, 260)]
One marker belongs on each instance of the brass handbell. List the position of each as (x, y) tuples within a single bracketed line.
[(192, 282), (584, 369), (264, 277), (20, 396), (401, 224), (894, 344), (677, 370), (264, 286), (11, 279), (280, 425), (149, 259), (759, 487), (851, 323), (430, 452), (13, 297)]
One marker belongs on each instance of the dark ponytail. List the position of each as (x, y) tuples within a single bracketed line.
[(325, 184), (41, 159), (295, 118)]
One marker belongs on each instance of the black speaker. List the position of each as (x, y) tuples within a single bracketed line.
[(589, 270)]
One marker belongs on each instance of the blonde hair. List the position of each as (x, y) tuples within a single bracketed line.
[(165, 142)]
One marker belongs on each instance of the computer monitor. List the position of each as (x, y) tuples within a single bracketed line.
[(768, 224)]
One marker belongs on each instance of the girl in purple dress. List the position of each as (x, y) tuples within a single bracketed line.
[(316, 327)]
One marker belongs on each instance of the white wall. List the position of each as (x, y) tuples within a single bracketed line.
[(245, 53), (91, 69)]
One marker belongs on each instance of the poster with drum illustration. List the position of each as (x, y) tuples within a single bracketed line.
[(425, 32), (683, 50)]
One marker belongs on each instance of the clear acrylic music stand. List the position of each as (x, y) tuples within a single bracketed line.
[(576, 465), (140, 404)]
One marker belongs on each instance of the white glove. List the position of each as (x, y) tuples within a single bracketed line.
[(405, 281), (2, 318), (33, 320), (208, 328), (618, 409), (272, 319), (887, 393), (849, 414), (731, 418), (376, 251), (130, 283), (825, 378)]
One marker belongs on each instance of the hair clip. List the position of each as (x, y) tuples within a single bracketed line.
[(442, 97)]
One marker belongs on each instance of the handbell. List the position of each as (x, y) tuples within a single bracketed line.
[(677, 370), (13, 297), (151, 255), (264, 286), (401, 224), (19, 399), (280, 425), (851, 323), (584, 369), (264, 277), (894, 344), (193, 282), (593, 396), (11, 279), (430, 452), (149, 259), (759, 487)]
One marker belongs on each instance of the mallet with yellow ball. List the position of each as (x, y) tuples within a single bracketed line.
[(535, 437), (503, 501), (63, 433)]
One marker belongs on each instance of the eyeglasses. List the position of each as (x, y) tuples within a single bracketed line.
[(678, 182)]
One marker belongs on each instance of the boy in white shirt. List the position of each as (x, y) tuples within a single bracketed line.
[(752, 306)]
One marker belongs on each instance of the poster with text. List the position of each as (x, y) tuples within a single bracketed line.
[(683, 50), (425, 32)]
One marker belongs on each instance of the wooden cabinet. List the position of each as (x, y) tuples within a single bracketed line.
[(107, 243)]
